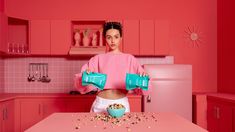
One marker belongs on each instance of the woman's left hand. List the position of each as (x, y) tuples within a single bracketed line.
[(143, 74)]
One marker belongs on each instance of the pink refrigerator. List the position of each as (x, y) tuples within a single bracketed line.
[(171, 91)]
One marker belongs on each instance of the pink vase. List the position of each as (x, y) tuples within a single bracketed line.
[(86, 41), (77, 38)]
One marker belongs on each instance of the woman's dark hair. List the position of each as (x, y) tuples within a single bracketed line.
[(112, 25)]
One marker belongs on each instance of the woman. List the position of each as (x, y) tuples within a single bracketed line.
[(115, 64)]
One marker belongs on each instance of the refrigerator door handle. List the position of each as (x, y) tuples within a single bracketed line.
[(148, 99)]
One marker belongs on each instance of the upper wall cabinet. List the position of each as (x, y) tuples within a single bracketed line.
[(49, 37), (131, 37), (161, 37), (3, 32), (146, 37), (60, 37), (14, 35), (3, 22), (40, 37), (17, 39), (1, 5)]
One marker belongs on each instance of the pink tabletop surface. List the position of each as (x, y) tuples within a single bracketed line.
[(130, 122)]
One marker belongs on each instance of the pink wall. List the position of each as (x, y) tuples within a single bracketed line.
[(180, 14), (1, 75), (226, 47)]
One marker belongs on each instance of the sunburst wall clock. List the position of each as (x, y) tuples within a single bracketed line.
[(193, 35)]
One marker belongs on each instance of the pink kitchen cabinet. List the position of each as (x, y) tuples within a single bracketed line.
[(146, 37), (84, 104), (50, 106), (26, 110), (38, 109), (161, 38), (135, 104), (3, 32), (30, 112), (233, 124), (60, 37), (211, 117), (200, 109), (50, 37), (131, 37), (219, 115), (40, 37), (7, 116), (17, 36), (1, 5), (79, 104), (2, 114)]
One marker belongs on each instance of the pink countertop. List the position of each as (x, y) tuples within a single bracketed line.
[(222, 97), (9, 96), (135, 122)]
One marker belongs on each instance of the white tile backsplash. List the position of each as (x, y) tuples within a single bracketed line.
[(61, 72)]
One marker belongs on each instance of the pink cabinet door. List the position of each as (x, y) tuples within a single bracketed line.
[(79, 104), (135, 104), (219, 116), (51, 106), (161, 37), (8, 123), (1, 5), (225, 118), (146, 37), (1, 116), (31, 112), (234, 116), (60, 37), (7, 116), (131, 37), (3, 32), (212, 122), (40, 37)]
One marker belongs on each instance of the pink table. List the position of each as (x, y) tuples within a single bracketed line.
[(134, 122)]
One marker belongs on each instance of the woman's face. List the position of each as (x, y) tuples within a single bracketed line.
[(113, 39)]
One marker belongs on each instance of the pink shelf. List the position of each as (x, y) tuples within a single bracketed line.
[(93, 26), (18, 36)]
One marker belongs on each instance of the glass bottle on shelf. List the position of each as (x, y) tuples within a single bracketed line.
[(9, 49)]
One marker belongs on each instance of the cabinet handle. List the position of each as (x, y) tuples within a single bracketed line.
[(39, 109), (148, 99), (43, 109), (217, 113), (6, 113), (3, 114)]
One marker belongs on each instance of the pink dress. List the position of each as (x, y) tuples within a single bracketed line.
[(115, 65)]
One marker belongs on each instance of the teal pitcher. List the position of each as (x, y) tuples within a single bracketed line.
[(96, 79), (134, 80)]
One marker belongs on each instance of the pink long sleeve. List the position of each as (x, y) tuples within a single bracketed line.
[(115, 66), (139, 70), (78, 77)]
